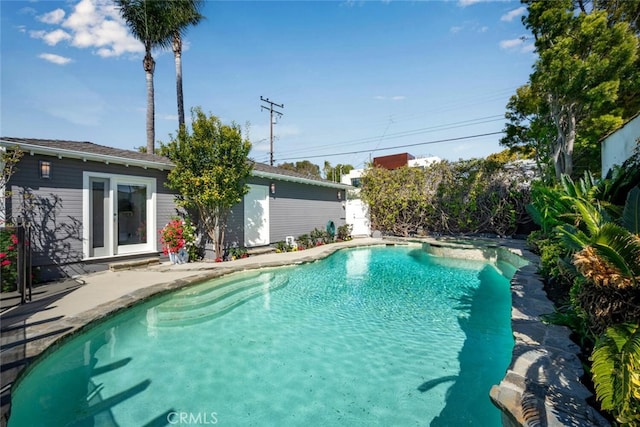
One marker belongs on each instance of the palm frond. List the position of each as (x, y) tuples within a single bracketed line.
[(569, 186), (573, 238), (590, 216), (615, 369), (619, 248)]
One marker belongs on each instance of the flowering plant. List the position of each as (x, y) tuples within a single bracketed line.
[(8, 257), (177, 234)]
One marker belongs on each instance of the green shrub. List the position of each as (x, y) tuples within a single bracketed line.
[(283, 247), (344, 232), (305, 242)]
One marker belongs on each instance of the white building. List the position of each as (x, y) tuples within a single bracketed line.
[(618, 146)]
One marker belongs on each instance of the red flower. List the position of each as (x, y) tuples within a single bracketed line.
[(14, 239), (5, 263), (3, 254)]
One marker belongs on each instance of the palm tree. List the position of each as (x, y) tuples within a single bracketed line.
[(184, 13), (148, 22)]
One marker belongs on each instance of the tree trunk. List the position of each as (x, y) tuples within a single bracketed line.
[(177, 53), (562, 151), (149, 65)]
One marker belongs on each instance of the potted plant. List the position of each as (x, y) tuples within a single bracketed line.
[(177, 237)]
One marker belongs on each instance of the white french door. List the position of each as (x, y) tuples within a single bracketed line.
[(119, 214)]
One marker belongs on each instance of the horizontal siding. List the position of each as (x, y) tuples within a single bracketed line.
[(54, 206), (297, 209)]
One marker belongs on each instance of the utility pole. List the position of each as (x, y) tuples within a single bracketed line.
[(272, 111)]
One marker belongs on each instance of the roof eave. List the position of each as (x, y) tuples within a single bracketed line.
[(282, 177), (103, 158)]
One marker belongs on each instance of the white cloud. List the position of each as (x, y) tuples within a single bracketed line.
[(510, 16), (520, 44), (465, 3), (37, 34), (510, 44), (53, 17), (56, 59), (27, 11), (471, 26), (55, 37), (96, 23), (91, 24), (391, 98)]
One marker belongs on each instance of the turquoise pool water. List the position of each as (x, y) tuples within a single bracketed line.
[(371, 336)]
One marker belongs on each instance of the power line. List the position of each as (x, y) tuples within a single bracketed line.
[(399, 146), (406, 133), (271, 112)]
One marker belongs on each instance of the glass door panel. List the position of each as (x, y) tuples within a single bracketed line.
[(132, 214), (99, 216)]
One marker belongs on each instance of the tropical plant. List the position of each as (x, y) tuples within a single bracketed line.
[(148, 21), (608, 256), (184, 13), (616, 372), (211, 172)]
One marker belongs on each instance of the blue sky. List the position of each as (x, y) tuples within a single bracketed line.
[(358, 79)]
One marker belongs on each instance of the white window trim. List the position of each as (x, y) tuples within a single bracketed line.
[(114, 180)]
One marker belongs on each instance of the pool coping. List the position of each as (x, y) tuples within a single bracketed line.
[(541, 385)]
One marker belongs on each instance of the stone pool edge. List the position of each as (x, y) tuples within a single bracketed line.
[(541, 386)]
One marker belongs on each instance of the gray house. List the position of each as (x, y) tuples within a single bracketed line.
[(89, 205)]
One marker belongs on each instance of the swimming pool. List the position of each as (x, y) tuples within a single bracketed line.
[(369, 336)]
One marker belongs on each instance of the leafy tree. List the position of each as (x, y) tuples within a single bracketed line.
[(148, 21), (184, 13), (211, 171), (8, 161), (304, 167), (335, 173), (580, 81), (529, 131)]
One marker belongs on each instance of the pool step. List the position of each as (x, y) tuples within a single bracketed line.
[(200, 305)]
